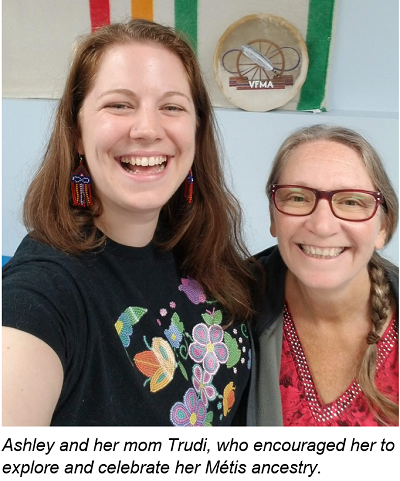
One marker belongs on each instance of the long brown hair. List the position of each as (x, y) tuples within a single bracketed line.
[(206, 234), (381, 295)]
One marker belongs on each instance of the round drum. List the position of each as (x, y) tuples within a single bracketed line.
[(260, 62)]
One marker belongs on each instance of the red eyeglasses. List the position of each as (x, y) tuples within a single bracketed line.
[(347, 204)]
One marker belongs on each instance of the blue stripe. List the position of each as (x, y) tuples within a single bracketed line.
[(5, 259)]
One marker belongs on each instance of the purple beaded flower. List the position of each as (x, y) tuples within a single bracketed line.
[(193, 290), (208, 347), (202, 383), (191, 412)]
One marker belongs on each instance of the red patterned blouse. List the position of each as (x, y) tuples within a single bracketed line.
[(300, 401)]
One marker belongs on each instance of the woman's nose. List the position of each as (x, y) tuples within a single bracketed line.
[(322, 222), (147, 124)]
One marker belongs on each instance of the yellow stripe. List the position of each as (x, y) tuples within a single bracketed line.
[(142, 9)]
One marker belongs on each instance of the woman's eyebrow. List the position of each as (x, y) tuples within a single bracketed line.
[(118, 91), (130, 93), (172, 93)]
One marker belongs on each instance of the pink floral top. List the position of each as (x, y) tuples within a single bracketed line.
[(301, 404)]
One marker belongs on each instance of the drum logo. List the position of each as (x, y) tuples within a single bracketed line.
[(260, 65)]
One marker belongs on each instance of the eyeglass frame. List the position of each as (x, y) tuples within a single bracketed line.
[(327, 194)]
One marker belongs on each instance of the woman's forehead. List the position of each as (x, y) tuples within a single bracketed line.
[(325, 164)]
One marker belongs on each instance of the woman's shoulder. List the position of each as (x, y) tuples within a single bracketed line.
[(41, 279), (269, 300), (272, 264), (32, 251), (267, 253), (391, 272)]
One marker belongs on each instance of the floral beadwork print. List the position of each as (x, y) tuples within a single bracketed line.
[(187, 361), (233, 349), (158, 364), (249, 360), (174, 335), (124, 329), (192, 412), (202, 384), (228, 398), (193, 290), (126, 320), (208, 347)]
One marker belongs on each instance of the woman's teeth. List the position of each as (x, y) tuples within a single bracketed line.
[(159, 161), (321, 253), (144, 160)]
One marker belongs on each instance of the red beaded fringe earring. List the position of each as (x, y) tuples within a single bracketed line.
[(80, 186), (189, 187)]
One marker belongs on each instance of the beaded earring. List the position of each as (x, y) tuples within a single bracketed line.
[(80, 186), (189, 187)]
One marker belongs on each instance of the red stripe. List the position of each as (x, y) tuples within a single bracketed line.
[(99, 13)]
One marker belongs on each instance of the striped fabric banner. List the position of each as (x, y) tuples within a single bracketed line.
[(318, 41), (36, 58), (99, 13), (186, 19), (142, 9), (185, 15)]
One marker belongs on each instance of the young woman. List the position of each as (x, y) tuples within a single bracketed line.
[(327, 335), (114, 312)]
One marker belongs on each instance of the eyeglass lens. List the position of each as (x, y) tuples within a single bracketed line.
[(347, 205)]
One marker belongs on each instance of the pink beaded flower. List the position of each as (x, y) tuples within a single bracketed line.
[(208, 347), (202, 383), (191, 412)]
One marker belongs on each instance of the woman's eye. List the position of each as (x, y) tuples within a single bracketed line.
[(297, 198), (350, 201), (118, 106), (173, 108), (353, 203)]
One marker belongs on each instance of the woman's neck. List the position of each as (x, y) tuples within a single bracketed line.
[(135, 229), (325, 306)]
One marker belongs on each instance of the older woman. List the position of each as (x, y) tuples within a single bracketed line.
[(327, 334), (114, 312)]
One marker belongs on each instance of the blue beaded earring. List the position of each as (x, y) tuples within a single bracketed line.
[(80, 186)]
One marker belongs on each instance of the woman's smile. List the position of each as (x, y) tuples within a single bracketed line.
[(321, 252), (144, 165)]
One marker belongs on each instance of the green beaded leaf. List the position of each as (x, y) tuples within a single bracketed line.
[(207, 319), (211, 320), (183, 370), (209, 418), (135, 314), (217, 317), (234, 351), (175, 320)]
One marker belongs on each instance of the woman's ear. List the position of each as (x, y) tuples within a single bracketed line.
[(272, 227), (381, 237), (79, 147)]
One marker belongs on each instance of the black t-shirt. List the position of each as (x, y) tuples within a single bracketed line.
[(139, 343)]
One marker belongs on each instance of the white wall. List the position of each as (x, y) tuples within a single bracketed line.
[(363, 95)]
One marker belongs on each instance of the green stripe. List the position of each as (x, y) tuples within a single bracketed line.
[(186, 19), (319, 31)]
